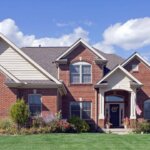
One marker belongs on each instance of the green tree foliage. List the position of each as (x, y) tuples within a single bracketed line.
[(19, 113)]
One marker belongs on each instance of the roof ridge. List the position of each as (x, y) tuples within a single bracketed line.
[(46, 47)]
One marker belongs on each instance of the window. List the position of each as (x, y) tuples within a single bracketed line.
[(80, 109), (114, 98), (35, 104), (135, 67), (147, 109), (80, 72)]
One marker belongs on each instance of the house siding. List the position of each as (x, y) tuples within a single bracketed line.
[(17, 65)]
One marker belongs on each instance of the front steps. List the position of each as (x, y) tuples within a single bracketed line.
[(120, 131)]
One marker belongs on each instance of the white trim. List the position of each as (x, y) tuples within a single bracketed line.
[(122, 69), (9, 74), (76, 44), (81, 64), (133, 105), (135, 67), (41, 103), (121, 106), (132, 56), (43, 71)]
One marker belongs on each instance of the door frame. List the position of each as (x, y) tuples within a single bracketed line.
[(121, 107)]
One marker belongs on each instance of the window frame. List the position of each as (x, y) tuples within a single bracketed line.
[(81, 64), (147, 102), (41, 104), (81, 109), (135, 67)]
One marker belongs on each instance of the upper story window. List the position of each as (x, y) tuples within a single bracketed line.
[(135, 67), (80, 73), (35, 104)]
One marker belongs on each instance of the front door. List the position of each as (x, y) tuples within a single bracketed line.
[(114, 115)]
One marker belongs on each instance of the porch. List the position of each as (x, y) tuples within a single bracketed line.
[(117, 99)]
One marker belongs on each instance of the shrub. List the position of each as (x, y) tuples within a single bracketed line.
[(62, 126), (143, 127), (6, 124), (19, 113), (38, 122), (81, 125)]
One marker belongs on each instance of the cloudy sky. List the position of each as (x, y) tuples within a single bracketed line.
[(113, 26)]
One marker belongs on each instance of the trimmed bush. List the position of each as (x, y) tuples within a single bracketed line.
[(19, 113), (6, 124), (81, 125), (143, 127), (62, 126), (38, 122)]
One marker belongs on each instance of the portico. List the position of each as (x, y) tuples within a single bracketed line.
[(117, 98)]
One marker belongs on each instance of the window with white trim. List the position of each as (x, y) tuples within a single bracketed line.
[(147, 109), (35, 104), (80, 73), (81, 109), (135, 67)]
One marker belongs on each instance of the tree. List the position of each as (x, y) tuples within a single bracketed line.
[(19, 113)]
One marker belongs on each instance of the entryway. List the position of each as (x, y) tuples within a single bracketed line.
[(114, 113), (116, 108)]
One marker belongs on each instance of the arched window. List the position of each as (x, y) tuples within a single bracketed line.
[(80, 72), (147, 109), (114, 98)]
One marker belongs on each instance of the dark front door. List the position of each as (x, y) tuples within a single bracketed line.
[(114, 115)]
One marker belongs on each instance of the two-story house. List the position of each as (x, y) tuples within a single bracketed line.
[(78, 80)]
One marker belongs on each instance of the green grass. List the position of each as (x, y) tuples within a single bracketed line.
[(89, 141)]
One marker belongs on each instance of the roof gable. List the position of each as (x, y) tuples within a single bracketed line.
[(8, 74), (29, 60), (78, 42), (123, 70), (135, 55)]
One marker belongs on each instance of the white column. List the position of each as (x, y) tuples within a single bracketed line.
[(133, 105), (101, 104)]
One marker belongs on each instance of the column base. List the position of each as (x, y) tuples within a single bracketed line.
[(133, 123), (101, 123)]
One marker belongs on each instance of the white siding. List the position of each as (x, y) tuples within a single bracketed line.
[(18, 66), (119, 80)]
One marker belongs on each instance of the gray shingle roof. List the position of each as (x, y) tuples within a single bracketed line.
[(45, 56)]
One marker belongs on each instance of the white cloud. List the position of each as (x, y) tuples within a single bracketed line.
[(104, 47), (131, 35), (9, 28)]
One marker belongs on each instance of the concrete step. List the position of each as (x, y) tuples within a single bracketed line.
[(120, 131)]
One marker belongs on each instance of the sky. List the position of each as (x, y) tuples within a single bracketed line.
[(113, 26)]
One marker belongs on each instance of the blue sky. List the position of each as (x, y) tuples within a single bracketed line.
[(61, 22)]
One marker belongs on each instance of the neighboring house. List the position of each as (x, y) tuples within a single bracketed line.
[(78, 80)]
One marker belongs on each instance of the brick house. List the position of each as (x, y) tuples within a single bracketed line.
[(78, 80)]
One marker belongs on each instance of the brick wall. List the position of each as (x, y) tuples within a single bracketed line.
[(7, 97), (49, 99), (143, 75), (76, 92)]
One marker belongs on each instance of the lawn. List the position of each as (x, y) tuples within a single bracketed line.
[(88, 141)]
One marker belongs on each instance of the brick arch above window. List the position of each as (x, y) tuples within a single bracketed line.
[(80, 73)]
